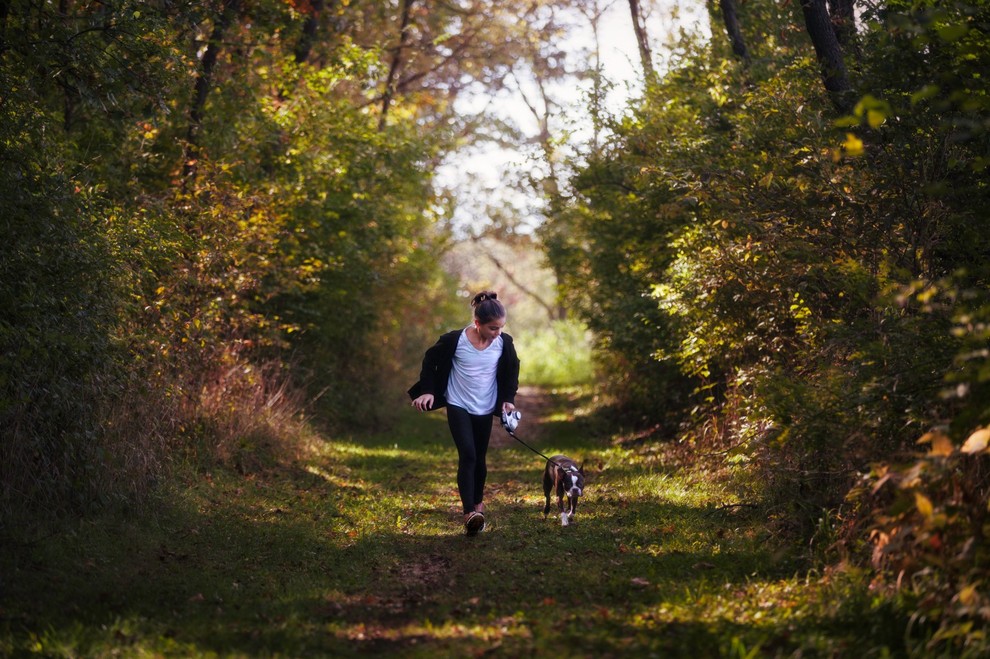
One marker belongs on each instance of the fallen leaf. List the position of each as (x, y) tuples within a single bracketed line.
[(977, 442), (941, 444), (967, 595)]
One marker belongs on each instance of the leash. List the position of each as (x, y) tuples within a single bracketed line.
[(516, 437)]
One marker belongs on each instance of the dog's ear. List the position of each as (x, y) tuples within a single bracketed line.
[(581, 469)]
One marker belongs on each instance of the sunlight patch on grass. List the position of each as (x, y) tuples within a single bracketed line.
[(430, 634), (765, 611), (347, 448), (687, 492), (336, 481)]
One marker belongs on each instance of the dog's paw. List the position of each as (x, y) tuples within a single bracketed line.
[(564, 521)]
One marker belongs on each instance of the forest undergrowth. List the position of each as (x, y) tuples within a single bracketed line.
[(356, 548)]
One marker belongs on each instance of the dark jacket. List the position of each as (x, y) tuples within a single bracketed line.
[(439, 360)]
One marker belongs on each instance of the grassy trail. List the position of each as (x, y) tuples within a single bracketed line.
[(358, 549)]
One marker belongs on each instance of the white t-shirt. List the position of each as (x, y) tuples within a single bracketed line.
[(472, 383)]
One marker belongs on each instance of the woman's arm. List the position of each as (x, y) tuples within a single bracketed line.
[(428, 392), (508, 376)]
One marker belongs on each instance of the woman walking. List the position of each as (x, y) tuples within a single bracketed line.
[(474, 372)]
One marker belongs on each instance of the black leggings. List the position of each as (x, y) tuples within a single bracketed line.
[(471, 434)]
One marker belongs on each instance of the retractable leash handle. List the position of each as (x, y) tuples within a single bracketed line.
[(510, 420)]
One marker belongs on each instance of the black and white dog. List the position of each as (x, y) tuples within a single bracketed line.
[(566, 478)]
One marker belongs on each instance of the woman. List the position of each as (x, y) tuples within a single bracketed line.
[(474, 372)]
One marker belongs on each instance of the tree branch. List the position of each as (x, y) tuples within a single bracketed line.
[(645, 55), (203, 83), (551, 312), (396, 64)]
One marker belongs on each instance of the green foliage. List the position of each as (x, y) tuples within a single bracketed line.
[(557, 356), (820, 281), (929, 530), (56, 308), (735, 230), (68, 89), (345, 219), (159, 308)]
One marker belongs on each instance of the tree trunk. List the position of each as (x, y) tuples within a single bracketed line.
[(829, 53), (643, 40), (69, 93), (228, 11), (4, 13), (310, 27), (396, 65), (843, 22), (731, 19)]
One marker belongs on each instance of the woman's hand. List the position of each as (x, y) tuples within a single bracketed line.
[(508, 407), (424, 402)]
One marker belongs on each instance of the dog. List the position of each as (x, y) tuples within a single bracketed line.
[(563, 476)]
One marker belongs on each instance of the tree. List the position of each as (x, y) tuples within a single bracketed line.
[(829, 52), (204, 78), (642, 41), (730, 18), (843, 14), (396, 63), (309, 31)]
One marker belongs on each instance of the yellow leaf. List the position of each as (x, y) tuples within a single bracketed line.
[(853, 145), (924, 504), (875, 118), (941, 444), (967, 595), (977, 442)]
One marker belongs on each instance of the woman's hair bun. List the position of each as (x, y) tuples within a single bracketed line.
[(487, 307), (482, 296)]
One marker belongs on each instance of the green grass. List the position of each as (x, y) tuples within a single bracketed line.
[(358, 549)]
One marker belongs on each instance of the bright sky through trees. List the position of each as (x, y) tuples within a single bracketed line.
[(487, 175)]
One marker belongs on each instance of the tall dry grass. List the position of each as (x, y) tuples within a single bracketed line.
[(233, 412), (249, 415)]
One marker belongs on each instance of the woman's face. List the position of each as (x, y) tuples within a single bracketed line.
[(491, 330)]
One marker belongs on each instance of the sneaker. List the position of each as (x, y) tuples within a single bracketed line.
[(475, 522)]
